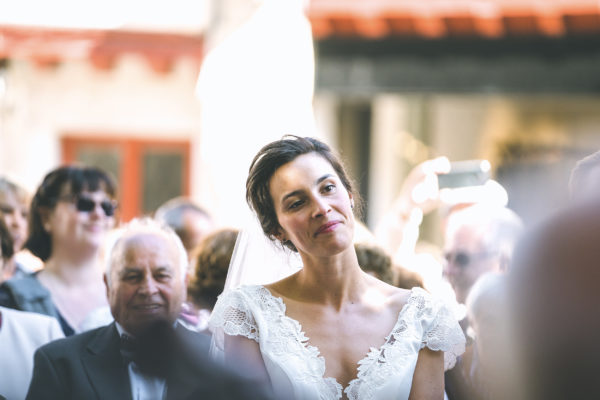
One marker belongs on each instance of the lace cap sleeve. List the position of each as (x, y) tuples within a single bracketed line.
[(233, 316), (441, 331)]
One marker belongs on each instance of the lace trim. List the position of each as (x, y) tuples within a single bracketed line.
[(442, 334), (233, 316), (316, 368), (421, 317), (285, 339)]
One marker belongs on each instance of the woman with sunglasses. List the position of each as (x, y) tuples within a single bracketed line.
[(71, 212)]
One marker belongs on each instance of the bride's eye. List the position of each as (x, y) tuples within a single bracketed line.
[(328, 188), (295, 204)]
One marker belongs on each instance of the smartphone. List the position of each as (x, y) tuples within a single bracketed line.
[(465, 173)]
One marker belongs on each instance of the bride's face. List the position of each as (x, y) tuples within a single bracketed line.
[(313, 207)]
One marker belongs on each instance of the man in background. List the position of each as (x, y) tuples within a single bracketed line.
[(189, 221), (145, 353), (478, 239)]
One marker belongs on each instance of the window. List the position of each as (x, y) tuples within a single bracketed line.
[(147, 173)]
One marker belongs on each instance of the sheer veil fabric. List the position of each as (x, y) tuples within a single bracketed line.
[(256, 260)]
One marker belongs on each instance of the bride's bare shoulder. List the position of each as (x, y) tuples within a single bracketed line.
[(282, 287), (396, 297)]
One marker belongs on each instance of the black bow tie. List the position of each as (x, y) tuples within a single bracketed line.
[(129, 348)]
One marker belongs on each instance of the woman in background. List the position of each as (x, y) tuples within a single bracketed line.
[(210, 265), (71, 212), (14, 209)]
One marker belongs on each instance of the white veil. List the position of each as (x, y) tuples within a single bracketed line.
[(256, 260)]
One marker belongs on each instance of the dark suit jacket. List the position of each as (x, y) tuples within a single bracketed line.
[(90, 366)]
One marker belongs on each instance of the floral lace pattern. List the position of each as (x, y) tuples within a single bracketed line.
[(253, 312)]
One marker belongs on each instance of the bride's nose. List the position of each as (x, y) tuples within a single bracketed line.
[(321, 206)]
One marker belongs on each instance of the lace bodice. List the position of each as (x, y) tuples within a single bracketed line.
[(295, 366)]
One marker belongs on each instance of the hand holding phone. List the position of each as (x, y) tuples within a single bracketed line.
[(465, 173)]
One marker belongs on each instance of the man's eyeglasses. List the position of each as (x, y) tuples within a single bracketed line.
[(463, 259), (86, 204)]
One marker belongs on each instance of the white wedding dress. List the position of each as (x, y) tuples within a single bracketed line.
[(294, 366)]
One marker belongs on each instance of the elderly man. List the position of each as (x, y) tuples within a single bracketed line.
[(478, 239), (135, 357)]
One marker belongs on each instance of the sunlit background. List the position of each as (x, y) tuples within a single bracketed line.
[(174, 98)]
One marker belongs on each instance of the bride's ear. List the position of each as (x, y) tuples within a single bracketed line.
[(279, 234), (281, 237)]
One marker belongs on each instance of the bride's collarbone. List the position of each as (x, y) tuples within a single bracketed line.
[(350, 334), (344, 343)]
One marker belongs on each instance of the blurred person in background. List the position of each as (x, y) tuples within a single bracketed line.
[(584, 184), (71, 212), (491, 370), (189, 221), (14, 210), (21, 333), (554, 292), (7, 251), (6, 248), (210, 265), (407, 279), (398, 229), (376, 262), (478, 239)]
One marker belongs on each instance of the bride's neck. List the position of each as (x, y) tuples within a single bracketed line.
[(332, 280)]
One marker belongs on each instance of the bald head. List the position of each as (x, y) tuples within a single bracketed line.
[(146, 279)]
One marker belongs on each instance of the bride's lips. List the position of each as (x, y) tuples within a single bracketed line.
[(327, 227)]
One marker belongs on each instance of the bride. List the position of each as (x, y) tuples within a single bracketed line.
[(328, 331)]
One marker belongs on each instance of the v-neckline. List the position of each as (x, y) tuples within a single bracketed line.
[(314, 352)]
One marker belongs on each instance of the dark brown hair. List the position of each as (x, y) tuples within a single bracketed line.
[(374, 259), (6, 242), (270, 158), (211, 263), (76, 179)]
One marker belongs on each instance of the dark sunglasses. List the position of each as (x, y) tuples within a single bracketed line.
[(86, 204), (463, 259)]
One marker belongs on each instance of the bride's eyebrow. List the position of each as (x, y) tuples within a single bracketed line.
[(297, 192), (291, 194), (324, 177)]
